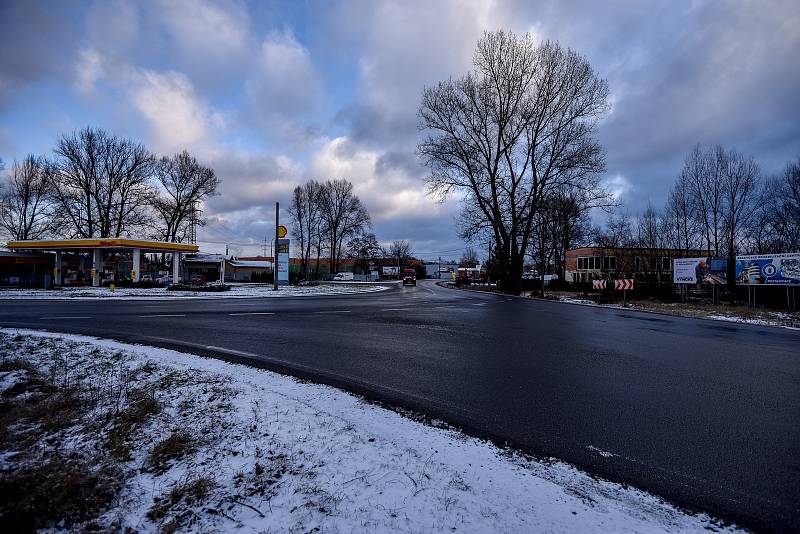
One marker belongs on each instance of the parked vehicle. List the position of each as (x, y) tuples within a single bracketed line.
[(409, 277), (469, 275), (343, 277), (198, 280)]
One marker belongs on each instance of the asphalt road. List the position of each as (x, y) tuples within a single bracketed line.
[(704, 413)]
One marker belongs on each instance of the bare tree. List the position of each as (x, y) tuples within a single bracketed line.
[(617, 233), (102, 183), (306, 214), (24, 209), (183, 184), (681, 225), (399, 250), (469, 258), (702, 172), (783, 207), (511, 131), (741, 180), (363, 249), (344, 216)]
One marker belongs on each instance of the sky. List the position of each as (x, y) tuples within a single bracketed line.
[(272, 94)]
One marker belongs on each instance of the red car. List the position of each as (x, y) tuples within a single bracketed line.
[(409, 277)]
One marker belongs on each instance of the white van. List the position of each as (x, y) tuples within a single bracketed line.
[(343, 277)]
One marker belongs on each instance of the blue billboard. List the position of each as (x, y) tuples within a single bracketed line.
[(768, 269)]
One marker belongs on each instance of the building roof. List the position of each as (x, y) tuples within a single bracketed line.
[(103, 243), (250, 263)]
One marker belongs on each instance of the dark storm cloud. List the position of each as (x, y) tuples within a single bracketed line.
[(36, 43)]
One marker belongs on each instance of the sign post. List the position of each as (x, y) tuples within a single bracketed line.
[(624, 284), (275, 256)]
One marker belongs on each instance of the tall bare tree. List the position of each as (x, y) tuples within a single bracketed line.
[(702, 172), (183, 184), (508, 133), (782, 208), (24, 209), (741, 182), (681, 224), (306, 215), (101, 186), (344, 216)]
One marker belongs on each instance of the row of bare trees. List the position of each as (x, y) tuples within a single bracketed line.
[(98, 185), (721, 204), (515, 137), (325, 216)]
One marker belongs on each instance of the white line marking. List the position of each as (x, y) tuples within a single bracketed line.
[(334, 311), (396, 309), (165, 315), (253, 313), (480, 304), (71, 317)]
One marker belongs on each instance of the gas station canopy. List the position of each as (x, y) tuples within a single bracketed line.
[(69, 245), (97, 248)]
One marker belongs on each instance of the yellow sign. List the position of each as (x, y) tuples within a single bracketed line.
[(93, 273), (282, 231)]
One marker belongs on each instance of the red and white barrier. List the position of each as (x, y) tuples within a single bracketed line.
[(624, 284), (598, 284)]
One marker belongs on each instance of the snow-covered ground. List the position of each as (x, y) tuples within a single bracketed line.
[(223, 447), (238, 290)]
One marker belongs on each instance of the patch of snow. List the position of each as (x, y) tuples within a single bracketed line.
[(355, 467), (238, 290)]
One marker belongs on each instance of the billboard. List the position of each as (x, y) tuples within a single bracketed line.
[(283, 262), (769, 269), (689, 270), (391, 271), (761, 269)]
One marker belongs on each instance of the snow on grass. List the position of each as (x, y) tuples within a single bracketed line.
[(197, 443), (238, 290), (736, 314)]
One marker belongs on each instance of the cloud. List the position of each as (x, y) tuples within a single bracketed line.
[(387, 188), (88, 71), (177, 117), (211, 41), (35, 45)]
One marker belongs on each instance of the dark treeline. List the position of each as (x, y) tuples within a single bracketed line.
[(720, 203), (98, 185)]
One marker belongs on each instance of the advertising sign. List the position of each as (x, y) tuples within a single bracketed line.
[(768, 269), (761, 269), (689, 270), (283, 262), (391, 271)]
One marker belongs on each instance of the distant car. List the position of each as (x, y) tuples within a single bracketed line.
[(409, 277), (198, 280), (343, 277)]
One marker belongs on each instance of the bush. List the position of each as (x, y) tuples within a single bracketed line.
[(142, 284), (210, 288)]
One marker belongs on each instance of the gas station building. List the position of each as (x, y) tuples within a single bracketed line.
[(91, 254)]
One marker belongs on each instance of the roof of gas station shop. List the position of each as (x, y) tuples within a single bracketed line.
[(103, 244)]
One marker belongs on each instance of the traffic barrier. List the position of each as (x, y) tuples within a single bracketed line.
[(598, 284), (623, 284)]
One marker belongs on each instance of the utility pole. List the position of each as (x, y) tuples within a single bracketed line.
[(264, 253), (275, 256)]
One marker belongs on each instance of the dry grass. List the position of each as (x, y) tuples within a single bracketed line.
[(174, 447), (777, 317)]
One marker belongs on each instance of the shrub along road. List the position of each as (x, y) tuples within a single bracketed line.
[(701, 412)]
